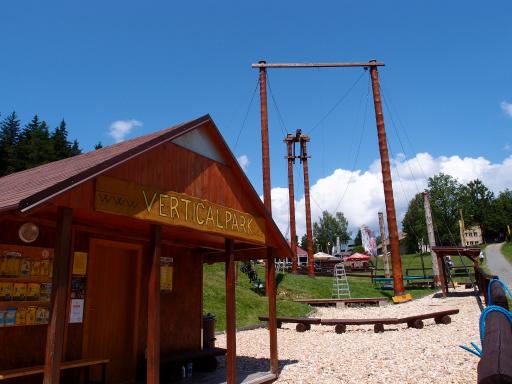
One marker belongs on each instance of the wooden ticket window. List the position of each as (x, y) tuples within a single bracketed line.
[(112, 307)]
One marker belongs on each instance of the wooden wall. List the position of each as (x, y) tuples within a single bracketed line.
[(181, 310)]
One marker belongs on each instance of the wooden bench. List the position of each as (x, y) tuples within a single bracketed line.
[(83, 363), (205, 357), (341, 324), (303, 323), (362, 301)]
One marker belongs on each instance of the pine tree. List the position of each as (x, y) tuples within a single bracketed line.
[(35, 146), (61, 145), (9, 132), (98, 146), (75, 149)]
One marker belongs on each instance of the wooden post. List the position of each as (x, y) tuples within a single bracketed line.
[(431, 238), (272, 312), (230, 313), (309, 233), (153, 341), (290, 141), (398, 282), (61, 271), (384, 242)]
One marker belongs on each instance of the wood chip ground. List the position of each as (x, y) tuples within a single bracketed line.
[(399, 355)]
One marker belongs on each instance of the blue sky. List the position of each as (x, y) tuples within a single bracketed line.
[(152, 64)]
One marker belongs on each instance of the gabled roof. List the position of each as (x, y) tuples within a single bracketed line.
[(26, 189)]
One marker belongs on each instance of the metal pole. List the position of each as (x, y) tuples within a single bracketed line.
[(289, 140), (384, 241), (398, 282), (431, 239), (309, 233), (264, 139)]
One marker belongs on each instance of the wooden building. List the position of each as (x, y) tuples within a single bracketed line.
[(119, 236)]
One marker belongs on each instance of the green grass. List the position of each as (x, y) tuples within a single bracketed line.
[(506, 249), (290, 287)]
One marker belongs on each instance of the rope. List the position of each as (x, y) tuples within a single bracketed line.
[(246, 115), (333, 108)]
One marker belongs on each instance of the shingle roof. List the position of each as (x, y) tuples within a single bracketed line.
[(22, 190)]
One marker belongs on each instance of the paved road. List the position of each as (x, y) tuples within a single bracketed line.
[(498, 264)]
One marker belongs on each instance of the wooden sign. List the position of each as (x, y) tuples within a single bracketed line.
[(127, 198)]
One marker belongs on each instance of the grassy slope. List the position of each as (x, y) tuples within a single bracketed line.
[(290, 287), (507, 251)]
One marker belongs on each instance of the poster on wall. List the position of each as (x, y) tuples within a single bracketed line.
[(166, 269), (79, 263), (76, 315)]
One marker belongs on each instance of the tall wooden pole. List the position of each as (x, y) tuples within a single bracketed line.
[(264, 139), (230, 313), (388, 184), (272, 312), (290, 141), (265, 156), (384, 242), (431, 239), (153, 341), (59, 299), (309, 233)]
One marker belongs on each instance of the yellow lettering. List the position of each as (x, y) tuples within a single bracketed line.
[(162, 196), (149, 205), (218, 224), (174, 207), (249, 231), (187, 202), (227, 220), (200, 222), (234, 224), (209, 215), (242, 223)]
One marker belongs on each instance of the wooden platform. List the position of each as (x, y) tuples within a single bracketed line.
[(219, 377), (362, 302)]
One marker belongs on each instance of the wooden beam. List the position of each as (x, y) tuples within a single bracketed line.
[(263, 64), (153, 341), (230, 314), (59, 300), (272, 311)]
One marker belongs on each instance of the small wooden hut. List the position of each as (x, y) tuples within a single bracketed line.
[(103, 255)]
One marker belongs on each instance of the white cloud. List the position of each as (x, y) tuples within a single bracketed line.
[(243, 161), (364, 197), (506, 107), (120, 128), (507, 147)]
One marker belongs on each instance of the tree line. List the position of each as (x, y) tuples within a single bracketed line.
[(448, 199), (33, 144)]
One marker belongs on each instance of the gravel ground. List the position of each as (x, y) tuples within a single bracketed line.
[(399, 355)]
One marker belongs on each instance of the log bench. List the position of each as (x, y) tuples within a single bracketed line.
[(340, 325), (303, 323), (415, 321), (362, 301), (441, 317), (205, 358), (83, 363)]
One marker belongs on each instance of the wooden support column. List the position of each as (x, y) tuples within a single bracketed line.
[(230, 313), (61, 271), (272, 311), (153, 341)]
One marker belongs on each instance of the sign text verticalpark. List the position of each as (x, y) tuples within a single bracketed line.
[(147, 203)]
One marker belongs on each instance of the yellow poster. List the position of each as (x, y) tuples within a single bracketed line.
[(166, 273), (80, 263)]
